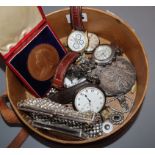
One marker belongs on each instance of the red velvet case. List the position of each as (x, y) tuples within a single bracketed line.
[(29, 29)]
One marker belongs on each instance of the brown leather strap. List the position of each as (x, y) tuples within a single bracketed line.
[(62, 69), (19, 139), (76, 18), (10, 117)]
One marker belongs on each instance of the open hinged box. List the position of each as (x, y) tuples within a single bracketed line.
[(23, 29), (108, 27)]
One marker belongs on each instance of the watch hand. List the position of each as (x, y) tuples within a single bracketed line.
[(103, 54), (88, 98), (89, 101), (71, 81)]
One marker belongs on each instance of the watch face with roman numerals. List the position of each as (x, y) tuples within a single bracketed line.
[(90, 98)]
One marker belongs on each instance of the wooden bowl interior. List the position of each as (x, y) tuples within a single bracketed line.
[(104, 25)]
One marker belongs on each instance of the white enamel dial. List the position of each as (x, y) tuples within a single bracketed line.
[(72, 82), (93, 42), (89, 98), (103, 54), (77, 41)]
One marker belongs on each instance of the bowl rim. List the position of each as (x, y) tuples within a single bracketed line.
[(128, 119)]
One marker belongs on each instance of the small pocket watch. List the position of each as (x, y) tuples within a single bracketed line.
[(89, 98), (104, 54), (77, 41), (93, 42)]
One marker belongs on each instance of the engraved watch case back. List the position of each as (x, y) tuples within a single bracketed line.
[(117, 78)]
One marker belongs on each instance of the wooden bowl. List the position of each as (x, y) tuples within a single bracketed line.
[(105, 25)]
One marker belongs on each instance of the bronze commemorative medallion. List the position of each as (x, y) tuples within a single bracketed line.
[(42, 62)]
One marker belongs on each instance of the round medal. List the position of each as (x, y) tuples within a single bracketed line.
[(42, 62)]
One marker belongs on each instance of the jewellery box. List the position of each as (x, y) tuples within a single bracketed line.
[(26, 37)]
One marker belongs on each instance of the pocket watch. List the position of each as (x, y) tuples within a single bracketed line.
[(77, 41), (93, 42), (104, 54), (89, 98), (66, 95)]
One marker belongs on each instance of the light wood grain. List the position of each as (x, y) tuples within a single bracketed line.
[(109, 27)]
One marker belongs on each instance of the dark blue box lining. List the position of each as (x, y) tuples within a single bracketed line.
[(19, 62)]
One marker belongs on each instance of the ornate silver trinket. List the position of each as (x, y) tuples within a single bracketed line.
[(117, 79), (116, 118), (52, 116), (107, 127), (48, 108)]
